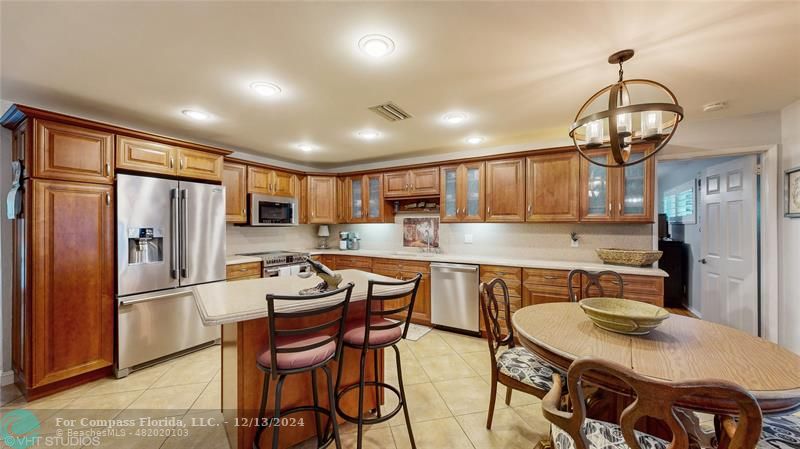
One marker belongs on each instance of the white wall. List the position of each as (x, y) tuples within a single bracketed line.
[(789, 229)]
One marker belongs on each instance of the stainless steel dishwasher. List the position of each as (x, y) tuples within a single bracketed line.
[(454, 296)]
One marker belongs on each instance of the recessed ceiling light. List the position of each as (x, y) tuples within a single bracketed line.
[(715, 106), (265, 89), (195, 115), (474, 140), (306, 147), (376, 45), (455, 118), (368, 134)]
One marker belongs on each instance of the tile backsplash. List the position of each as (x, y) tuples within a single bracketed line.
[(529, 240), (246, 239)]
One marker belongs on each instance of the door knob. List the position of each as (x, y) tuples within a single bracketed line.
[(703, 261)]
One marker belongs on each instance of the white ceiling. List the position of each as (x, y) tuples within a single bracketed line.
[(520, 70)]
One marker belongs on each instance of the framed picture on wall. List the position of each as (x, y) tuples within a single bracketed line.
[(792, 193)]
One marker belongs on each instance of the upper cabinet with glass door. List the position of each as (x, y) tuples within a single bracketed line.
[(617, 194), (366, 203), (463, 192)]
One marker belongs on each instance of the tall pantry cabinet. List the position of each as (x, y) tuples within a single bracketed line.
[(63, 252)]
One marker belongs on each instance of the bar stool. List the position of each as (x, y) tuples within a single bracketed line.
[(375, 332), (293, 350)]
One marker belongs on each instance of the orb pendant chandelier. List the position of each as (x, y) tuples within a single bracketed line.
[(609, 118)]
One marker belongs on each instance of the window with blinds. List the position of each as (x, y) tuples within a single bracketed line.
[(680, 202)]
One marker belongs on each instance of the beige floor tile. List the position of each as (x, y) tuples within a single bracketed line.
[(138, 380), (376, 438), (438, 434), (463, 344), (469, 395), (9, 393), (429, 345), (189, 371), (446, 367), (424, 404), (532, 415), (509, 430), (85, 409), (210, 399), (201, 432), (413, 373), (480, 362), (167, 401), (130, 442)]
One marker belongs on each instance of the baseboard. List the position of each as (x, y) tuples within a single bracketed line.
[(694, 312), (7, 378)]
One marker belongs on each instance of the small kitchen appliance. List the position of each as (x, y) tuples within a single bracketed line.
[(344, 238), (268, 210)]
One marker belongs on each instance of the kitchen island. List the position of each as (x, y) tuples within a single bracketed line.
[(240, 308)]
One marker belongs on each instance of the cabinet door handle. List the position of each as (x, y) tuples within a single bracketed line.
[(405, 187), (529, 208), (412, 186), (244, 212), (171, 162), (108, 199), (180, 163), (549, 278), (488, 211), (609, 207), (108, 169), (620, 208)]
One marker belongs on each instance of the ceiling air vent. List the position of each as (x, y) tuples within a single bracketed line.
[(391, 112)]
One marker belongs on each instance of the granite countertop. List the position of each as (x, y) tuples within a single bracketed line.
[(234, 259), (231, 302), (493, 260)]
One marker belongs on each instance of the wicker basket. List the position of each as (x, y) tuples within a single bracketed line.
[(630, 257)]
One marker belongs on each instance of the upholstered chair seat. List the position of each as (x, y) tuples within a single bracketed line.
[(354, 332), (520, 364), (299, 359)]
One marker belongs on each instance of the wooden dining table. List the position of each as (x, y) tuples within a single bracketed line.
[(680, 349)]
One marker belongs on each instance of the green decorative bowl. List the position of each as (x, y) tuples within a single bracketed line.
[(623, 316)]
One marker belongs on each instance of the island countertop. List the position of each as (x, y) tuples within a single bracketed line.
[(230, 302)]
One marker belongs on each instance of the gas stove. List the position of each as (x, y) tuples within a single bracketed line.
[(278, 258)]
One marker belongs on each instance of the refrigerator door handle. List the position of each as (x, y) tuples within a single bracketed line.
[(184, 232), (173, 220)]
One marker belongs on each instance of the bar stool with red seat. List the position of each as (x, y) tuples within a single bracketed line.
[(294, 349), (374, 332)]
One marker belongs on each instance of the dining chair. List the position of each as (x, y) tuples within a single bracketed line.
[(302, 341), (593, 281), (777, 432), (375, 332), (653, 398), (516, 367)]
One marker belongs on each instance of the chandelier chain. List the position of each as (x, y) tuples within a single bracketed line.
[(620, 72)]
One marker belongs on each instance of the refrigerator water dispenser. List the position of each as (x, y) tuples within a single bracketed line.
[(145, 245)]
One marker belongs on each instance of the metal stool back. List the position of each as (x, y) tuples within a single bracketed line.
[(328, 315), (384, 299)]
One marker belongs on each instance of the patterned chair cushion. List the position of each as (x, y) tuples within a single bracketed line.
[(526, 367), (780, 432), (603, 435)]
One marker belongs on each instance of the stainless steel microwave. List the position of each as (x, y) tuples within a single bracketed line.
[(268, 210)]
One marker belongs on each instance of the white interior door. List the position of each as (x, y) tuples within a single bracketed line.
[(728, 264)]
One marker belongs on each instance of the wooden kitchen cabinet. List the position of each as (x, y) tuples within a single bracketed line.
[(543, 286), (462, 192), (72, 153), (617, 194), (242, 271), (407, 270), (513, 279), (417, 182), (342, 200), (365, 199), (199, 164), (329, 260), (234, 179), (552, 187), (68, 318), (271, 182), (649, 289), (144, 155), (505, 190), (321, 199), (362, 263)]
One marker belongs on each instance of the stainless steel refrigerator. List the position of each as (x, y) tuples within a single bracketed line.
[(170, 236)]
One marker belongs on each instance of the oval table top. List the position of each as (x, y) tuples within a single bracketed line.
[(680, 349)]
